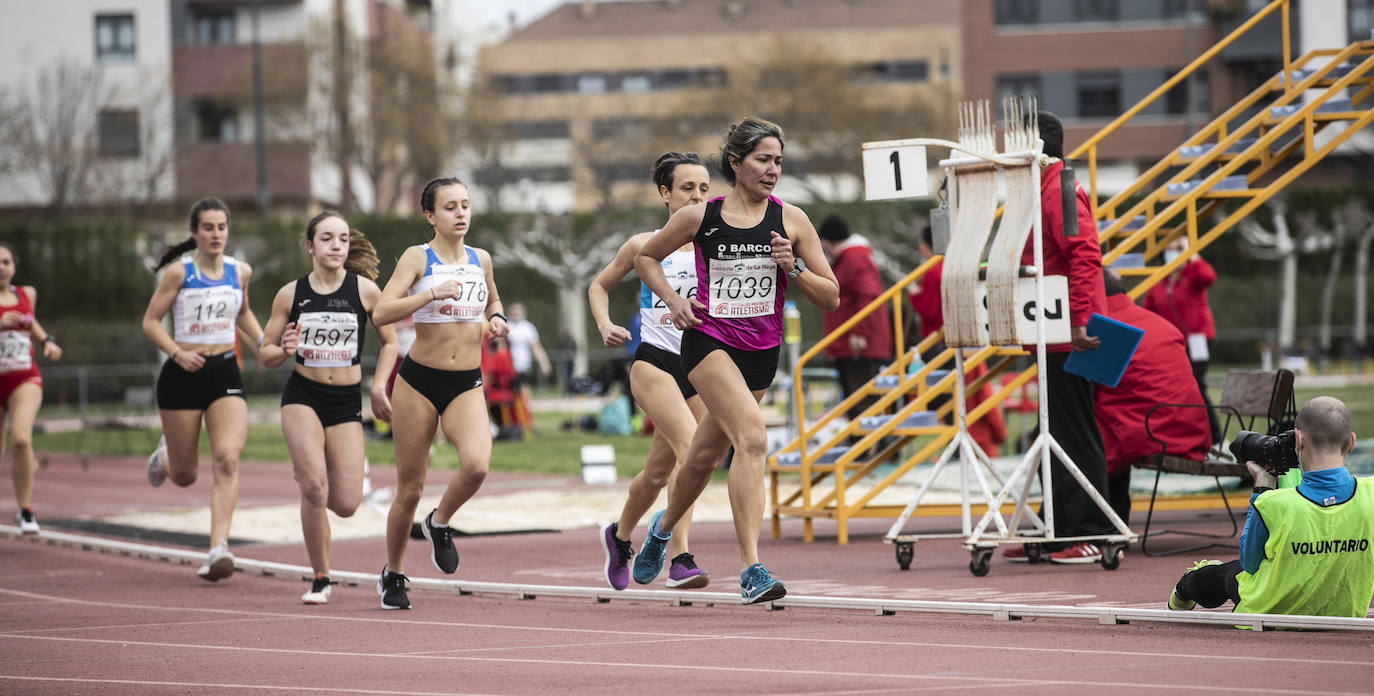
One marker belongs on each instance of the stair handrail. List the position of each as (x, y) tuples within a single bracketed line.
[(1226, 137), (1089, 146), (1189, 199), (892, 295)]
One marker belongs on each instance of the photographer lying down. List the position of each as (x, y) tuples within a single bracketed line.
[(1304, 550)]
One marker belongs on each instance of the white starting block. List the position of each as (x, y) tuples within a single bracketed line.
[(598, 464)]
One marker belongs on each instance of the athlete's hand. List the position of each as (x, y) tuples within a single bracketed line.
[(497, 327), (52, 351), (681, 310), (188, 360), (290, 339), (613, 335), (448, 290), (1082, 341), (381, 406), (10, 320), (782, 251)]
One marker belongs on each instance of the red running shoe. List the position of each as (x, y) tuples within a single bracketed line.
[(1081, 552)]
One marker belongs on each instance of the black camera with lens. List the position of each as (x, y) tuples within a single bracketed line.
[(1276, 453)]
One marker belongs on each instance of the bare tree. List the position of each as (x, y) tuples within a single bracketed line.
[(145, 179), (54, 134), (568, 258), (827, 110), (487, 138), (382, 106)]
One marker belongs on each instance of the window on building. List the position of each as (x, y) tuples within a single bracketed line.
[(114, 37), (541, 130), (1096, 10), (591, 84), (636, 82), (118, 134), (1017, 12), (1180, 9), (1017, 86), (1099, 94), (215, 28), (1176, 100), (1361, 19), (902, 71), (217, 123)]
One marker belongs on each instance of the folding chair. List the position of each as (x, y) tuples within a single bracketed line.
[(1247, 396), (139, 403)]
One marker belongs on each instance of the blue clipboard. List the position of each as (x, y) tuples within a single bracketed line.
[(1107, 362)]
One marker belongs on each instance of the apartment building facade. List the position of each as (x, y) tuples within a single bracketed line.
[(591, 89), (158, 96), (1090, 60)]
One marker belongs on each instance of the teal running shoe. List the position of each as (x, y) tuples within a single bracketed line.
[(756, 585), (649, 562)]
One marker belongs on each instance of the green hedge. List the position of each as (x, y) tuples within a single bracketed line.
[(94, 282)]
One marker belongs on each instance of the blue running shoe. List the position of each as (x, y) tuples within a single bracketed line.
[(757, 585), (649, 562)]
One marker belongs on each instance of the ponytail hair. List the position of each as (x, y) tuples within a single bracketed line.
[(741, 139), (362, 256), (666, 164), (176, 250), (432, 189)]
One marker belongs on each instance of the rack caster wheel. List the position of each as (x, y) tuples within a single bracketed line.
[(979, 562), (1035, 553), (905, 550), (1111, 556)]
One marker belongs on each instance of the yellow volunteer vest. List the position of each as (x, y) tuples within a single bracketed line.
[(1318, 560)]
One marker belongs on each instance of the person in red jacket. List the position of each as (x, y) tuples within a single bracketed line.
[(1157, 374), (991, 430), (1182, 299), (1072, 422), (863, 352), (925, 293)]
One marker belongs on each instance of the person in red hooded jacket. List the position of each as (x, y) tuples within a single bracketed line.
[(1072, 422), (862, 353), (1157, 374), (1182, 299)]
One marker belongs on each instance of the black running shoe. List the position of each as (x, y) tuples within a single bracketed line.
[(443, 554), (392, 587), (319, 590)]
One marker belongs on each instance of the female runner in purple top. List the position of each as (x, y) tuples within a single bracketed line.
[(748, 246)]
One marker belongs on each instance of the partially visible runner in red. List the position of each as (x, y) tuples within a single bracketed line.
[(21, 387)]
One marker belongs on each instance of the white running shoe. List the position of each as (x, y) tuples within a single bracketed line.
[(25, 519), (219, 564), (319, 591), (157, 468)]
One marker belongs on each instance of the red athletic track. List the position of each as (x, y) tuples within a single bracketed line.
[(77, 622)]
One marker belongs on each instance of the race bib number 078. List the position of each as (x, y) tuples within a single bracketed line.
[(471, 302)]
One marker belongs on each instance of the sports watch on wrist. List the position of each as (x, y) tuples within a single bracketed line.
[(798, 267)]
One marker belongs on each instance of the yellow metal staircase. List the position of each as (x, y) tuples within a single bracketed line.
[(1203, 188)]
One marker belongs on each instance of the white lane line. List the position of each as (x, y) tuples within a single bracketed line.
[(1280, 658), (773, 672), (221, 685), (151, 624)]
